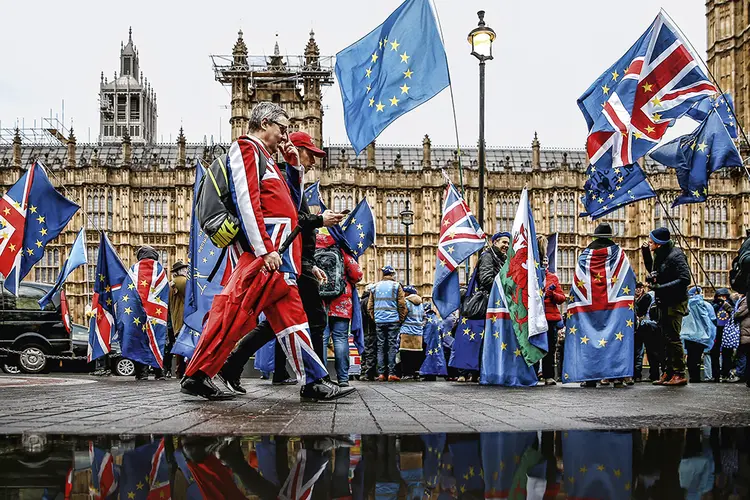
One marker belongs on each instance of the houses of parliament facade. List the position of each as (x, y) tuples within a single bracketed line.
[(140, 192)]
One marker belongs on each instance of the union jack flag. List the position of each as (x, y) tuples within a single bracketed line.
[(110, 273), (13, 207), (303, 475), (104, 475), (630, 106), (142, 311), (460, 237), (601, 317)]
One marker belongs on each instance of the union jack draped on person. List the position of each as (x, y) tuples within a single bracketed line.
[(142, 312), (110, 273), (600, 331)]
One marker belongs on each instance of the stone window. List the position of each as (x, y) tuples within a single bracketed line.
[(155, 213), (343, 202), (96, 210), (715, 223), (46, 270), (716, 266), (677, 214), (397, 260), (562, 216), (93, 257), (394, 205), (566, 263), (617, 220), (505, 213)]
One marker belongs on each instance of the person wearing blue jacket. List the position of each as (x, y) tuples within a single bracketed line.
[(698, 331)]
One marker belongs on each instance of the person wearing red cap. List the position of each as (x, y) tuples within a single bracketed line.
[(307, 284)]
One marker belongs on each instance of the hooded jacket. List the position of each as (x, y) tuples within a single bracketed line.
[(700, 323), (672, 275), (553, 297)]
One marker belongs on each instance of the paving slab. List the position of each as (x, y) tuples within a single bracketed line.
[(81, 404)]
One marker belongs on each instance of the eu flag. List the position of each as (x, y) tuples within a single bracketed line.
[(696, 156), (506, 460), (390, 71), (312, 195), (609, 188), (47, 214), (202, 259), (601, 318), (359, 228), (110, 273), (145, 473), (724, 105), (432, 333), (598, 464), (76, 259), (468, 340)]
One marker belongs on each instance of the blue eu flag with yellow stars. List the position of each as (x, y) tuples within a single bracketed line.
[(432, 333), (359, 228), (598, 464), (47, 214), (723, 104), (469, 336), (390, 71), (696, 156)]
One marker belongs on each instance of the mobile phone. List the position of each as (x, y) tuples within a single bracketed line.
[(345, 212)]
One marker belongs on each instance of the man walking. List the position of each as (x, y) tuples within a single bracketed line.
[(387, 306), (669, 280), (265, 207), (176, 312)]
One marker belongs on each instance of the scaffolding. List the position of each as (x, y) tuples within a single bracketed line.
[(262, 70), (47, 131)]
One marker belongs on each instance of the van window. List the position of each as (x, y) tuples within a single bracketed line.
[(28, 298)]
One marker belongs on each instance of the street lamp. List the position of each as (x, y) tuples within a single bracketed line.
[(407, 219), (481, 39)]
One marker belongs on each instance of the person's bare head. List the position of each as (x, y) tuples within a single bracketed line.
[(269, 123)]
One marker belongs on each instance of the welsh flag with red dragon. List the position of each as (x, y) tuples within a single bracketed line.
[(522, 278)]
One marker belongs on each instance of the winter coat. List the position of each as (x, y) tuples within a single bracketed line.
[(341, 306), (552, 297), (672, 275), (700, 323), (742, 316), (177, 301), (488, 266)]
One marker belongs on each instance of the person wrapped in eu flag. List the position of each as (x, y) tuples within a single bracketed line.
[(142, 313), (434, 360), (599, 341)]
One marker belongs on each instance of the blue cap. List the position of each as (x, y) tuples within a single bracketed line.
[(388, 271), (499, 235), (410, 290)]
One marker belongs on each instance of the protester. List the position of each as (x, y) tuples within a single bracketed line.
[(340, 308), (370, 354), (698, 331), (411, 335), (263, 205), (669, 280), (553, 297), (721, 357), (176, 312), (647, 336), (387, 306), (742, 317), (434, 330), (491, 260)]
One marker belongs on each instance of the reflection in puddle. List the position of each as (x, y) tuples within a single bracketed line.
[(674, 463)]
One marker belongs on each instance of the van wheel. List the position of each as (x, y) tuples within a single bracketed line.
[(33, 359), (125, 367)]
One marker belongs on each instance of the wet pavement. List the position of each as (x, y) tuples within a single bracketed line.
[(87, 405), (644, 463)]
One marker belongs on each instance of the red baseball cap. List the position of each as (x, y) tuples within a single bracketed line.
[(303, 140)]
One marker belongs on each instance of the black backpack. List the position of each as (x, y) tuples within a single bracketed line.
[(331, 261), (216, 212), (739, 275)]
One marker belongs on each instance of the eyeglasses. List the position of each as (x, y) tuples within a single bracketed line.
[(282, 128)]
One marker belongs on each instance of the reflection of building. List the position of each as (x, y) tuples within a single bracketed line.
[(140, 192)]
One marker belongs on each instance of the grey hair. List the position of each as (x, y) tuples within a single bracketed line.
[(265, 111)]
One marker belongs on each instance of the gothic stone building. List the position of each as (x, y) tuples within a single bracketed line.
[(141, 192)]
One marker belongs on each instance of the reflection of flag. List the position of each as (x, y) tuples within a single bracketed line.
[(46, 213), (697, 155), (598, 464), (724, 106), (630, 106), (193, 491), (434, 359), (110, 273), (390, 71), (145, 473), (142, 312), (502, 360), (467, 465), (303, 475), (359, 228), (468, 337), (502, 458), (522, 279), (460, 237), (104, 473), (434, 445), (601, 319), (76, 259)]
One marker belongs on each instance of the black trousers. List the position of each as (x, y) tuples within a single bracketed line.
[(411, 362), (694, 352), (671, 325), (725, 355), (548, 361), (653, 341), (263, 333)]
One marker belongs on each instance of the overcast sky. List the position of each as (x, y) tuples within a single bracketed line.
[(546, 54)]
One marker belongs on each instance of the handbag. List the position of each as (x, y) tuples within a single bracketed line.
[(475, 306)]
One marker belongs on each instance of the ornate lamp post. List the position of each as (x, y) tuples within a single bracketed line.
[(481, 39), (407, 219)]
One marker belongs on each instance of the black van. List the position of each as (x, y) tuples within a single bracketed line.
[(31, 330)]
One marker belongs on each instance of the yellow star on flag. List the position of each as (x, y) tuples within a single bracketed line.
[(144, 283), (379, 106), (127, 310), (517, 352), (372, 101), (40, 219), (647, 87), (125, 298), (131, 286), (369, 88), (32, 208), (38, 244), (408, 73), (405, 58), (404, 89), (626, 289), (368, 72), (629, 323), (602, 342), (30, 251), (600, 468), (374, 57), (605, 89), (466, 331), (702, 146), (656, 101), (503, 346), (107, 288), (109, 302), (394, 45), (584, 340), (650, 129), (615, 75), (619, 336), (136, 321), (463, 321), (657, 117), (394, 101), (572, 330), (43, 231)]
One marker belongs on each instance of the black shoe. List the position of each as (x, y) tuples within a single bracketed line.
[(141, 378), (323, 390), (232, 384), (200, 385), (288, 381)]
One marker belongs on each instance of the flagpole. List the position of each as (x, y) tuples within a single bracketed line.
[(718, 86), (676, 228)]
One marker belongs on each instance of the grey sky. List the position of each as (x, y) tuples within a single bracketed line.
[(546, 54)]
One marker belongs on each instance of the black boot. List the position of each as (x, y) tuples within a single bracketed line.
[(201, 385), (323, 390), (231, 381)]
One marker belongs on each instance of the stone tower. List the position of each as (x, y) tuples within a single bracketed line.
[(728, 23), (127, 104)]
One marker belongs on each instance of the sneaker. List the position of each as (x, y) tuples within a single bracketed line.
[(676, 380), (604, 382), (381, 378), (664, 378), (344, 384), (630, 381), (550, 381), (590, 384), (323, 390), (618, 383), (393, 378), (732, 380), (160, 377), (288, 381), (461, 379), (231, 383)]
